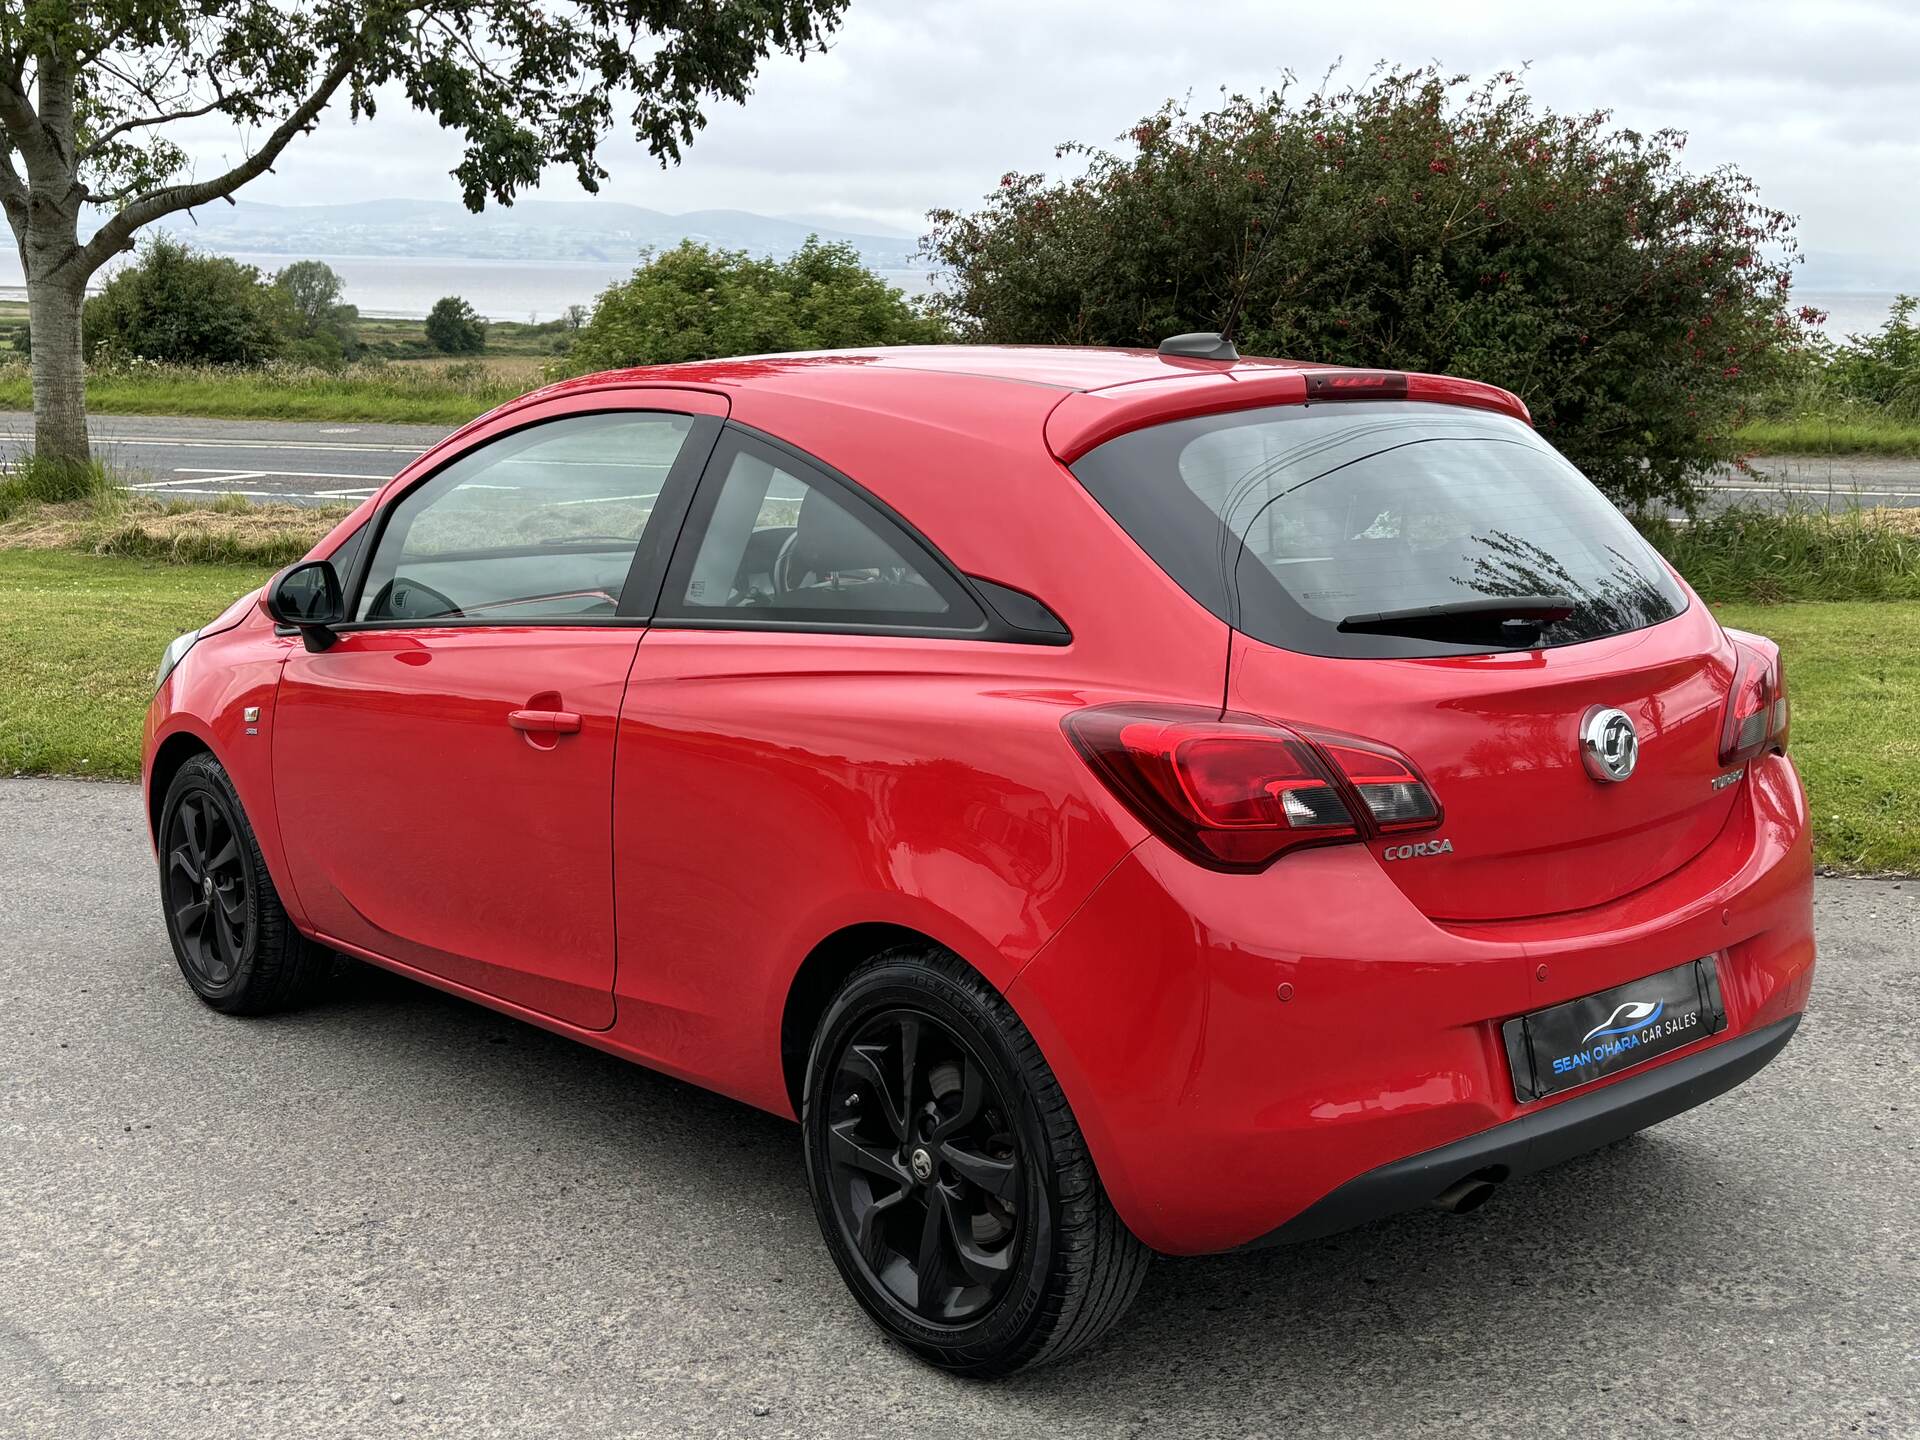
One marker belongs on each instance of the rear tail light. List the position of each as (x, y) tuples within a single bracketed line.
[(1758, 715), (1236, 792), (1395, 796)]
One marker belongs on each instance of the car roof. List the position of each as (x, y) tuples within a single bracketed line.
[(1060, 367), (1080, 395)]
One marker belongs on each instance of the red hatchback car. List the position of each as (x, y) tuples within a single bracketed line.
[(1118, 801)]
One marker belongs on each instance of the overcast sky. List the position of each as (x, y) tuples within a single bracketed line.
[(926, 102)]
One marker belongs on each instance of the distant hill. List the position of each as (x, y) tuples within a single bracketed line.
[(596, 230)]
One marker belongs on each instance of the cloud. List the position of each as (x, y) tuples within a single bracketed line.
[(922, 105)]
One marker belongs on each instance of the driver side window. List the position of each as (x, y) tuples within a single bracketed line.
[(539, 524)]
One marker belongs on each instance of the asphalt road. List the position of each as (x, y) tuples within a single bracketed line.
[(398, 1214), (328, 463), (309, 462)]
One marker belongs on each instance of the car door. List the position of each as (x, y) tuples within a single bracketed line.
[(444, 769), (762, 774)]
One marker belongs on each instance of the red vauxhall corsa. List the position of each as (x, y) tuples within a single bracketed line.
[(1118, 801)]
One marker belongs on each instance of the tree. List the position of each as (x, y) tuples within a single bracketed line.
[(693, 303), (90, 91), (321, 325), (314, 290), (455, 328), (1416, 222), (179, 306)]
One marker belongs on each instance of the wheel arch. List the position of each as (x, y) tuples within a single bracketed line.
[(820, 975), (172, 753)]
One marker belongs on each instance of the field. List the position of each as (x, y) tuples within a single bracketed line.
[(1845, 433), (401, 379), (80, 634)]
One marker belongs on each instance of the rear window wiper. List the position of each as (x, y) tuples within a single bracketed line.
[(1517, 617)]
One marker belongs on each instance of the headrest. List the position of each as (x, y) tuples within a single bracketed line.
[(828, 538)]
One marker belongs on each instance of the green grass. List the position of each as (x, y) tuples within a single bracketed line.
[(79, 638), (1748, 553), (30, 483), (80, 635), (399, 393), (1863, 433), (1853, 673)]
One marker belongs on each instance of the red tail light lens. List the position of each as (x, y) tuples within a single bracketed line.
[(1236, 791), (1758, 715)]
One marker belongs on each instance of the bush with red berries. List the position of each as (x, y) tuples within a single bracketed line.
[(1416, 221)]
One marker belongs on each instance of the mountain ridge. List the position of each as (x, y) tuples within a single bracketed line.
[(598, 230)]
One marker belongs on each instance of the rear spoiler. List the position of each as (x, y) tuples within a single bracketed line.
[(1090, 418)]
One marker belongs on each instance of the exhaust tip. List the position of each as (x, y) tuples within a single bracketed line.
[(1465, 1196)]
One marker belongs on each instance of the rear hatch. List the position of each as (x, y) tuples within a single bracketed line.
[(1441, 581)]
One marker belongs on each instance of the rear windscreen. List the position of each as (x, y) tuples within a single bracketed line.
[(1289, 520)]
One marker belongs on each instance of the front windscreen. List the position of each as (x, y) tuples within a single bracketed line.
[(1324, 528)]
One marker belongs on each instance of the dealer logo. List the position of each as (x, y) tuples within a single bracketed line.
[(1625, 1018)]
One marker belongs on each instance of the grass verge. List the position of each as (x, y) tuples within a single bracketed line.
[(79, 638), (1865, 433), (1853, 672), (399, 393), (1747, 553), (230, 531), (80, 635)]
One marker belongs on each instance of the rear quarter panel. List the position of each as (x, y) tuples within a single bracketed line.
[(772, 790)]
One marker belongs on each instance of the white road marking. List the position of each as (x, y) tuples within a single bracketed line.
[(200, 477), (177, 444), (605, 499), (290, 474), (1837, 491)]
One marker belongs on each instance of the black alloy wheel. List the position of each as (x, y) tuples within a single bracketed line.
[(952, 1184), (235, 943), (926, 1176), (208, 891)]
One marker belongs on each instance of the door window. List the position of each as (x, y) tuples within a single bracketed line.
[(782, 542), (539, 524)]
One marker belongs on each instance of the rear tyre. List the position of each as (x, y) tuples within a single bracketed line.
[(952, 1185), (233, 939)]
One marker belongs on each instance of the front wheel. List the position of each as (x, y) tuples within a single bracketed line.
[(952, 1185), (233, 939)]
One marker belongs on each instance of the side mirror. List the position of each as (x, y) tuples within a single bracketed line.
[(307, 597)]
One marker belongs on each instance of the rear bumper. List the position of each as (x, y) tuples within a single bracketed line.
[(1540, 1138), (1240, 1049)]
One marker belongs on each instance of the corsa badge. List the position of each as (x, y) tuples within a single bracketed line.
[(1424, 847)]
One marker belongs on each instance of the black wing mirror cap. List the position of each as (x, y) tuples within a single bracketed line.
[(307, 596)]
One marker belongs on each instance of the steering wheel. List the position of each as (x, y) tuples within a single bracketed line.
[(782, 565)]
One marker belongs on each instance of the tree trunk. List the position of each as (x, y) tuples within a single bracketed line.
[(43, 210), (59, 367)]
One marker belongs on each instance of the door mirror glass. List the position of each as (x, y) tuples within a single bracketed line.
[(306, 595)]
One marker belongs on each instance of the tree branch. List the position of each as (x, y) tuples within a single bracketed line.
[(108, 136), (13, 190), (22, 123), (117, 234)]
